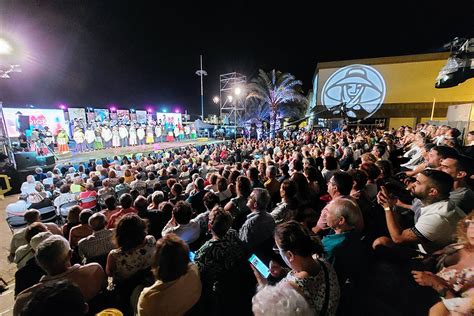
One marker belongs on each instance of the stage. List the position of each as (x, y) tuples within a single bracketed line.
[(76, 158)]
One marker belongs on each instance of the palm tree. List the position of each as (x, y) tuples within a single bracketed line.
[(276, 89)]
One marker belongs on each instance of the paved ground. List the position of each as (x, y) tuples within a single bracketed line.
[(7, 270)]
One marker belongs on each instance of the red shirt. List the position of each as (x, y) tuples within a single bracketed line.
[(114, 219), (87, 194)]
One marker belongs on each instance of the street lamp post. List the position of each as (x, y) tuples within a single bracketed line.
[(7, 49), (201, 73)]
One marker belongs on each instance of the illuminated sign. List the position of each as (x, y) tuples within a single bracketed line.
[(358, 90)]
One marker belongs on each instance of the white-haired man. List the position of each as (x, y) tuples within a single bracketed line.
[(54, 256)]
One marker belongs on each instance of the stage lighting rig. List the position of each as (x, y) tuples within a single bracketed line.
[(460, 64)]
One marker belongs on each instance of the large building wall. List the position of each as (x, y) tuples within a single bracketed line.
[(409, 87)]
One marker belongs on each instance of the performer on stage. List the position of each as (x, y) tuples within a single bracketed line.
[(49, 139), (107, 136), (23, 140), (133, 135), (98, 143), (170, 137), (79, 138), (187, 132), (158, 133), (141, 135), (115, 137), (150, 139), (193, 132), (181, 132), (90, 138), (176, 132), (123, 132), (63, 140), (34, 139)]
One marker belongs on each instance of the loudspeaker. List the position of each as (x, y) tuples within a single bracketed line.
[(26, 160), (45, 160), (23, 123)]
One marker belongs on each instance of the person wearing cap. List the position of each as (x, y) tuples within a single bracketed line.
[(30, 273)]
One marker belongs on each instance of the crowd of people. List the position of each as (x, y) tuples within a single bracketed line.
[(107, 134), (350, 222)]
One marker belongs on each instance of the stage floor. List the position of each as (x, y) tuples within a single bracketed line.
[(75, 157)]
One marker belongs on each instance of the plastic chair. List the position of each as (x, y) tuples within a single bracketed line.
[(15, 222), (89, 199), (48, 214), (64, 208)]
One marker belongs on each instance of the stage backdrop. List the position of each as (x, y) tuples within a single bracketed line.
[(123, 115), (90, 117), (101, 115), (141, 117), (39, 118), (170, 118), (78, 113)]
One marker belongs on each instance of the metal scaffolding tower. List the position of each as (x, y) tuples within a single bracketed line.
[(232, 106)]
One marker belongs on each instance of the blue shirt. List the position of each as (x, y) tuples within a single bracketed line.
[(332, 242)]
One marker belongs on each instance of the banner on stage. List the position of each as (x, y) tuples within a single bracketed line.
[(38, 118), (123, 115), (170, 118), (77, 113), (101, 115), (90, 117), (141, 117)]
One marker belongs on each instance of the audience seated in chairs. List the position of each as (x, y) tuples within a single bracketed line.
[(178, 284), (223, 267), (72, 220), (65, 196), (53, 256), (96, 247), (237, 206), (30, 273), (65, 296), (129, 264), (181, 223), (82, 230), (88, 198), (126, 202), (19, 237)]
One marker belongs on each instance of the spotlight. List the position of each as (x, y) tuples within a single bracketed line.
[(62, 107), (177, 111), (215, 99), (132, 110), (113, 109), (149, 110)]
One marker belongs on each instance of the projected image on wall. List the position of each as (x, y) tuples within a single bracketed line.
[(358, 90)]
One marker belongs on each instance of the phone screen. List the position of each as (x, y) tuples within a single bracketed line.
[(191, 256), (260, 266)]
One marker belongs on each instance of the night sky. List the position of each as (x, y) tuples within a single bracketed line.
[(134, 53)]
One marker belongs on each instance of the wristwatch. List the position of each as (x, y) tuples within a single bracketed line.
[(386, 208)]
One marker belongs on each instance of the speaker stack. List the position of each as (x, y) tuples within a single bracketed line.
[(27, 162)]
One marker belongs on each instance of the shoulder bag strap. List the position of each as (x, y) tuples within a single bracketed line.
[(324, 310)]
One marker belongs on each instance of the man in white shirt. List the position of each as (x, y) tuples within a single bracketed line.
[(28, 186), (181, 223), (437, 222)]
